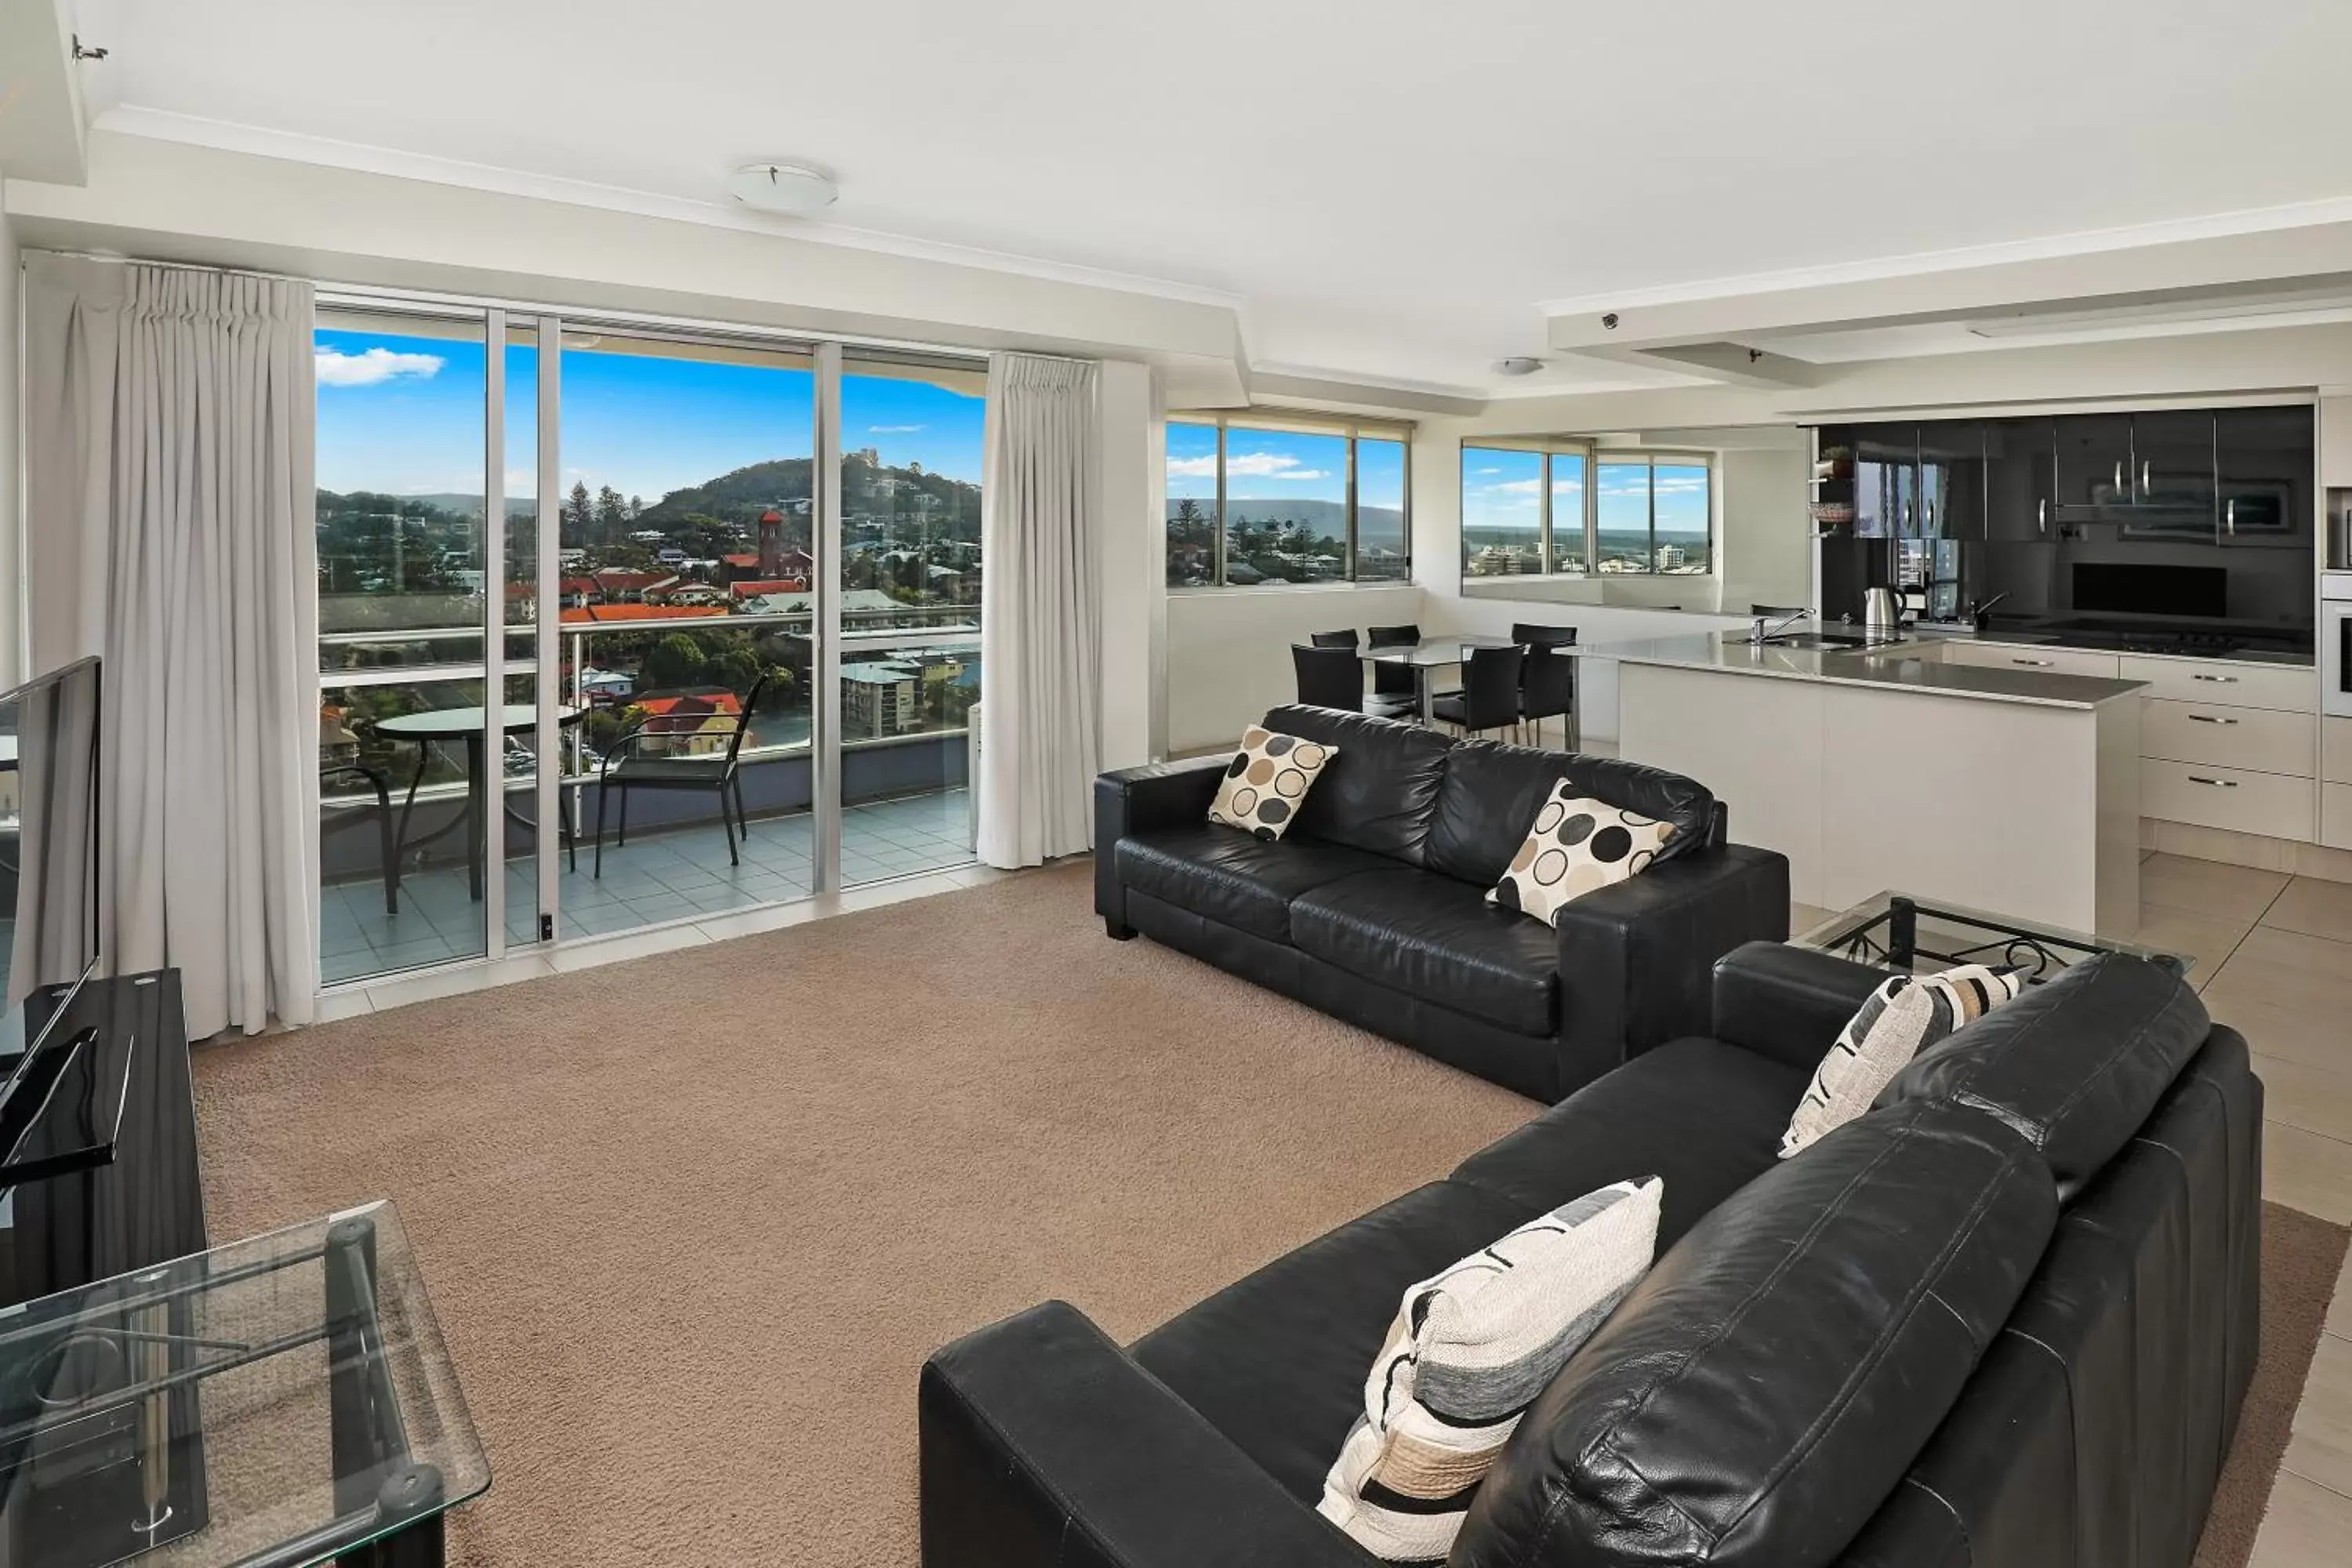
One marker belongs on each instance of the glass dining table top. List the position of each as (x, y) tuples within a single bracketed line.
[(280, 1401), (1435, 651)]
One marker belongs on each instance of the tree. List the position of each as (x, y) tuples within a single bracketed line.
[(576, 516), (612, 514), (676, 660), (738, 670), (637, 506)]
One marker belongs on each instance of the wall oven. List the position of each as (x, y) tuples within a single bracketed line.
[(2335, 643)]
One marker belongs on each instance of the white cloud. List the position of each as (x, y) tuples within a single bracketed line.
[(1516, 488), (1484, 472), (1267, 466), (373, 367), (1193, 468), (894, 429)]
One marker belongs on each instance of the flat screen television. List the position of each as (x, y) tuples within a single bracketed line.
[(48, 866)]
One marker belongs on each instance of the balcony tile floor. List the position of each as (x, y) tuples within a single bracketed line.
[(674, 873)]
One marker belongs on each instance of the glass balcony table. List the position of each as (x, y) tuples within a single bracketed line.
[(280, 1401)]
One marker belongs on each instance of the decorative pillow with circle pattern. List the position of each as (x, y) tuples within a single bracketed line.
[(1268, 781), (1577, 844)]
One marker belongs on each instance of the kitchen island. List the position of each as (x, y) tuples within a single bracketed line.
[(2009, 788)]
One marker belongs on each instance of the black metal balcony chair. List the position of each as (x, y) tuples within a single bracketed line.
[(1328, 678), (627, 767), (1396, 688), (379, 782), (1489, 698)]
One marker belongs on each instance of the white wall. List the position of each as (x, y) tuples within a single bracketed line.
[(1229, 649), (1763, 531), (12, 557)]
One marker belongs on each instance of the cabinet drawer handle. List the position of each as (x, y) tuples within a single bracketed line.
[(2217, 784), (2216, 679), (2035, 663), (2209, 718)]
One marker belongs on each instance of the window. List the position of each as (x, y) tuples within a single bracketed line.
[(1252, 505), (1502, 512), (1653, 515)]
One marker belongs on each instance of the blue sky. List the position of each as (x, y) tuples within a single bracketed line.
[(404, 415), (1501, 490), (1280, 465)]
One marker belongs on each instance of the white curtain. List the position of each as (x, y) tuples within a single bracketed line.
[(168, 529), (1041, 623)]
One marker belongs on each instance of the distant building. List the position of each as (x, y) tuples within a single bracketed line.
[(614, 615), (605, 688), (757, 586), (881, 699), (690, 725), (771, 558), (1670, 558), (620, 585)]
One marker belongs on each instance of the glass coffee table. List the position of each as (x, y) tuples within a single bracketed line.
[(1896, 930), (280, 1401)]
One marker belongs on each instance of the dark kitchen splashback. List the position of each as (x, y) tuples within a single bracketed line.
[(2191, 528)]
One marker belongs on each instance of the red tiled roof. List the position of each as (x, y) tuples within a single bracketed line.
[(748, 561), (586, 613), (767, 585)]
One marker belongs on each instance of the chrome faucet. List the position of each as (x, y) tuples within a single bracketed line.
[(1756, 636)]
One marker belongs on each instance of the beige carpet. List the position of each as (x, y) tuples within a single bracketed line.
[(692, 1223)]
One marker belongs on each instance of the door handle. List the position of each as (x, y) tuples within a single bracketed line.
[(2146, 483), (2209, 718), (2216, 679), (2041, 514), (2119, 475), (2035, 663), (2229, 517), (2215, 784)]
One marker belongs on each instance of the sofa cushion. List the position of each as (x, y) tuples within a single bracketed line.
[(1470, 1349), (1578, 846), (2075, 1065), (1433, 937), (1267, 781), (1757, 1397), (1228, 876), (1276, 1361), (1702, 1116), (1379, 792), (1491, 793), (1907, 1015)]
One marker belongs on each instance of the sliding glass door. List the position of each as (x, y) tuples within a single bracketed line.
[(729, 585)]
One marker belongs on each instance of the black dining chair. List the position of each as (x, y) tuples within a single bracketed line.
[(1396, 688), (1333, 639), (1528, 634), (1489, 698), (1328, 678), (628, 766), (1547, 685)]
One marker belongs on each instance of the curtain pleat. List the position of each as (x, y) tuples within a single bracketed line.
[(170, 530), (1041, 623)]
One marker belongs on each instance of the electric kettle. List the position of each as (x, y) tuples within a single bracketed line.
[(1882, 611)]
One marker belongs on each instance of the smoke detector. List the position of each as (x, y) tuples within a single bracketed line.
[(779, 187), (1518, 365)]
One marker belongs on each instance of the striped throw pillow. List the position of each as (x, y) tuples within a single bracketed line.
[(1902, 1018), (1470, 1349)]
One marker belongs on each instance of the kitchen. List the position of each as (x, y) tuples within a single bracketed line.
[(2030, 572)]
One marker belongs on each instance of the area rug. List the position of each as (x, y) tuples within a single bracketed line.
[(2302, 1258), (692, 1223)]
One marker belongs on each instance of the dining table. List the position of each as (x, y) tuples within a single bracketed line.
[(430, 727), (1447, 652)]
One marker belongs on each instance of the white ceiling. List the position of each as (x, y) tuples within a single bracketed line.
[(1388, 189)]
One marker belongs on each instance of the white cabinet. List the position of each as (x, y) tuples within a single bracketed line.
[(2336, 815), (2270, 805), (2335, 442), (2258, 739), (2286, 688), (2011, 656), (2335, 751)]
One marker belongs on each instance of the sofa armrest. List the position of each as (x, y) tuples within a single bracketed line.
[(1044, 1443), (1789, 1003), (1135, 800), (1635, 957)]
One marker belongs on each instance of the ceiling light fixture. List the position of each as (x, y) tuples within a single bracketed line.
[(779, 187), (1518, 365)]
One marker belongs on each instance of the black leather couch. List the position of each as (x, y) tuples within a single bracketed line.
[(1372, 907), (2004, 1320)]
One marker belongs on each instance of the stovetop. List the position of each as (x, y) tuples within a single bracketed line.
[(2251, 645)]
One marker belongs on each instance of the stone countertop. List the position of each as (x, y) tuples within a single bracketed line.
[(1895, 668)]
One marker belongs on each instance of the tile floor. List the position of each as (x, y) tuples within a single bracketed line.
[(2274, 961), (676, 874)]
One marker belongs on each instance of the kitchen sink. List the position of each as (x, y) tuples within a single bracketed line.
[(1823, 642)]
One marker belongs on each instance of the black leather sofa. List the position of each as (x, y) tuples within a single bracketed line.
[(1372, 907), (2004, 1320)]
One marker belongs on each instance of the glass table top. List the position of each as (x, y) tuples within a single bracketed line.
[(275, 1402), (1899, 930), (1432, 651)]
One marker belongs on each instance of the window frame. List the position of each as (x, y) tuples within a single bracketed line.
[(1281, 422), (1651, 459), (1547, 531)]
